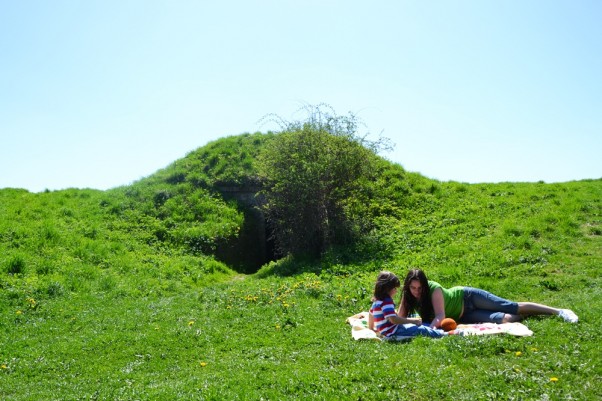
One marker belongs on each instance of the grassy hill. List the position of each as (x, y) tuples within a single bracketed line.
[(134, 293)]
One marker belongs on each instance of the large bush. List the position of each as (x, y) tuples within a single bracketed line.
[(311, 171)]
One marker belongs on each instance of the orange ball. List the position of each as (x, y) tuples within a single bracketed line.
[(448, 324)]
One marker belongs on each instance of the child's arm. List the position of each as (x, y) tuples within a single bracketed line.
[(403, 314), (371, 321), (396, 319)]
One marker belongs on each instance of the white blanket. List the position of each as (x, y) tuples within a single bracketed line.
[(360, 330)]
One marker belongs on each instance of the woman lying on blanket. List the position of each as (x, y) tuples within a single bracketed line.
[(465, 304), (385, 320)]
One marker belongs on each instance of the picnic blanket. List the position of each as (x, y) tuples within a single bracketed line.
[(360, 330)]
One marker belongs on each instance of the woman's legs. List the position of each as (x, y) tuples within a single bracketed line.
[(482, 306), (488, 316), (530, 308)]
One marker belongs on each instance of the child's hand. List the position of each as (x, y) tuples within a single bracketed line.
[(416, 320)]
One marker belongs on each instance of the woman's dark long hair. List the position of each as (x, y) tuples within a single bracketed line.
[(385, 282), (422, 305)]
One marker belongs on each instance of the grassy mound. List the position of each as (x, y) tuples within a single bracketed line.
[(119, 294)]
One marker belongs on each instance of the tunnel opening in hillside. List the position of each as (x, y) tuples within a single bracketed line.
[(254, 246)]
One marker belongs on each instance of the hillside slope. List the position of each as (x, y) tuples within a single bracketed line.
[(124, 294), (181, 221)]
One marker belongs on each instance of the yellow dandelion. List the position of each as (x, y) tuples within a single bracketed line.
[(203, 364), (553, 379), (518, 353), (190, 323), (277, 327), (19, 312), (4, 366)]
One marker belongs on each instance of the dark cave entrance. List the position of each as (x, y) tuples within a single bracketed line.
[(254, 246)]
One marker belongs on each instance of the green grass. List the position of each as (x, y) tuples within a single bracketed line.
[(102, 296), (276, 338)]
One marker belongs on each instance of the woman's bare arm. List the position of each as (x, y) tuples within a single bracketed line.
[(403, 314), (438, 307), (401, 311)]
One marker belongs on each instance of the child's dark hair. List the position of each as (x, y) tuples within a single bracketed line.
[(385, 282)]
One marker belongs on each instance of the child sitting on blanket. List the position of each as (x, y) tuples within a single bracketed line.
[(385, 320)]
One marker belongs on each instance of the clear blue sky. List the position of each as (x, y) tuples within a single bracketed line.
[(98, 94)]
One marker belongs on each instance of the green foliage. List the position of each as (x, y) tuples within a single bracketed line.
[(15, 265), (312, 170), (102, 245), (228, 161), (116, 294), (187, 204), (278, 338)]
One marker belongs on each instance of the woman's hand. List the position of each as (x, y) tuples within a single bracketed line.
[(415, 320), (436, 323)]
